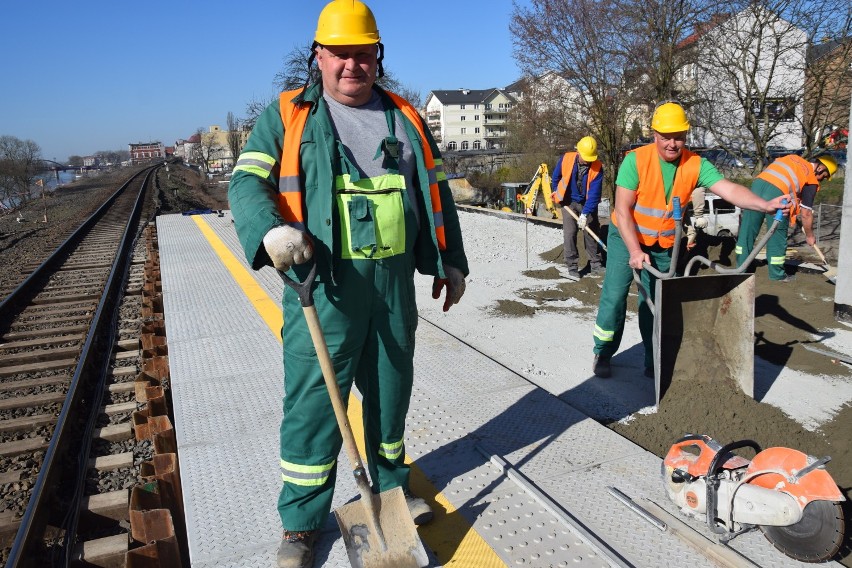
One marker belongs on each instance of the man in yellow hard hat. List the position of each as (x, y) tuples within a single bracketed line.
[(577, 181), (346, 175), (798, 180), (643, 228)]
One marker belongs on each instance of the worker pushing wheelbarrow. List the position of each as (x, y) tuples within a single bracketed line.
[(644, 233)]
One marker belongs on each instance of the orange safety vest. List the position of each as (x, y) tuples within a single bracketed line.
[(654, 217), (790, 174), (568, 167), (290, 200)]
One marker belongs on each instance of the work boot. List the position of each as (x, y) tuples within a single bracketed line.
[(600, 367), (573, 272), (420, 510), (598, 270), (787, 279), (297, 549)]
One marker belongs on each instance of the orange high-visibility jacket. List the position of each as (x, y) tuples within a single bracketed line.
[(568, 161), (290, 201), (654, 217), (790, 174)]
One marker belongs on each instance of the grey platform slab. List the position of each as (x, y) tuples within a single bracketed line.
[(226, 378)]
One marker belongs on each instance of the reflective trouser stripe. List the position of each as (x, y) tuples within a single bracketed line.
[(776, 260), (603, 334), (391, 451), (305, 475), (738, 249)]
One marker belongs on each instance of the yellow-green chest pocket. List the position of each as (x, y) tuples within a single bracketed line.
[(372, 218)]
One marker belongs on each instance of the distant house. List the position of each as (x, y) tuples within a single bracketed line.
[(828, 92), (143, 152), (468, 119), (91, 162)]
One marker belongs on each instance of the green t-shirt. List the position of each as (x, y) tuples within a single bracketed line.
[(628, 175)]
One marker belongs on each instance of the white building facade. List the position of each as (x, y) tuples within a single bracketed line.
[(467, 119)]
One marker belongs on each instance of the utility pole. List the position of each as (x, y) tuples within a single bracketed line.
[(843, 285)]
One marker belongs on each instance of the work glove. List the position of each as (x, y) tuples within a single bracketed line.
[(287, 246), (454, 283), (699, 222), (581, 222)]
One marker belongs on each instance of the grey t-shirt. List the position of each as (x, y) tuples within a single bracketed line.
[(361, 130)]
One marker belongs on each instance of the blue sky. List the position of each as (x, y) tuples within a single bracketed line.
[(78, 77)]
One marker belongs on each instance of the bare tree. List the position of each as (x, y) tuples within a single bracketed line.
[(235, 136), (828, 90), (752, 69), (591, 58), (19, 163)]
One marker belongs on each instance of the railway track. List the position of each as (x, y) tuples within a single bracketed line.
[(75, 338)]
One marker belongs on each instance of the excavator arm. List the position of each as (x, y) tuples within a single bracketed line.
[(540, 182)]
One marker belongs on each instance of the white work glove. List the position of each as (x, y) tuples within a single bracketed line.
[(287, 246), (699, 222), (581, 222), (454, 283)]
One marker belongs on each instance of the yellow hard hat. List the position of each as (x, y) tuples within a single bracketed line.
[(587, 148), (346, 22), (669, 118), (829, 162)]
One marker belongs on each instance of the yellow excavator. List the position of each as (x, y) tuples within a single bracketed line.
[(540, 182)]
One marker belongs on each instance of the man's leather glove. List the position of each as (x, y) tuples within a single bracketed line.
[(287, 246), (581, 222), (454, 283), (699, 222)]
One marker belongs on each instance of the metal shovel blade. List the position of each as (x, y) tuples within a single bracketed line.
[(704, 331), (402, 547)]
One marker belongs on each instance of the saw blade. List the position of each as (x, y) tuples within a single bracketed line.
[(815, 538)]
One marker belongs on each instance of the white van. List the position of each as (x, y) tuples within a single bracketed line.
[(723, 218)]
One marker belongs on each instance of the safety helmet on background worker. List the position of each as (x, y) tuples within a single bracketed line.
[(587, 148), (346, 22), (829, 162), (669, 118)]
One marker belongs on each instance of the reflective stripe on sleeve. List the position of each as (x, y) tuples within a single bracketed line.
[(256, 163)]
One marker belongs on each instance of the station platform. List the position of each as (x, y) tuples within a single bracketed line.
[(517, 476)]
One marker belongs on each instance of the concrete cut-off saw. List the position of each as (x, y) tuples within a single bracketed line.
[(785, 493)]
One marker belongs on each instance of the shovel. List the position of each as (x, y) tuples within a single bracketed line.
[(378, 530), (830, 273), (587, 229)]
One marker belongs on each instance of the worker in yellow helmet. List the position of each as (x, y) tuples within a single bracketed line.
[(345, 176), (577, 182), (798, 180), (642, 228)]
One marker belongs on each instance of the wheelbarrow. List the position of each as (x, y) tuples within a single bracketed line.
[(703, 325)]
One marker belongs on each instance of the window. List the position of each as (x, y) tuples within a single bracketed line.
[(476, 130), (477, 144), (476, 117), (488, 106), (464, 130), (779, 109), (475, 107), (464, 145), (451, 146), (461, 106), (462, 117)]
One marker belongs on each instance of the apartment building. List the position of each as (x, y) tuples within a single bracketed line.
[(469, 119)]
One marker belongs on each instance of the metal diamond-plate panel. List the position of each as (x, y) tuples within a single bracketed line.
[(516, 527)]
